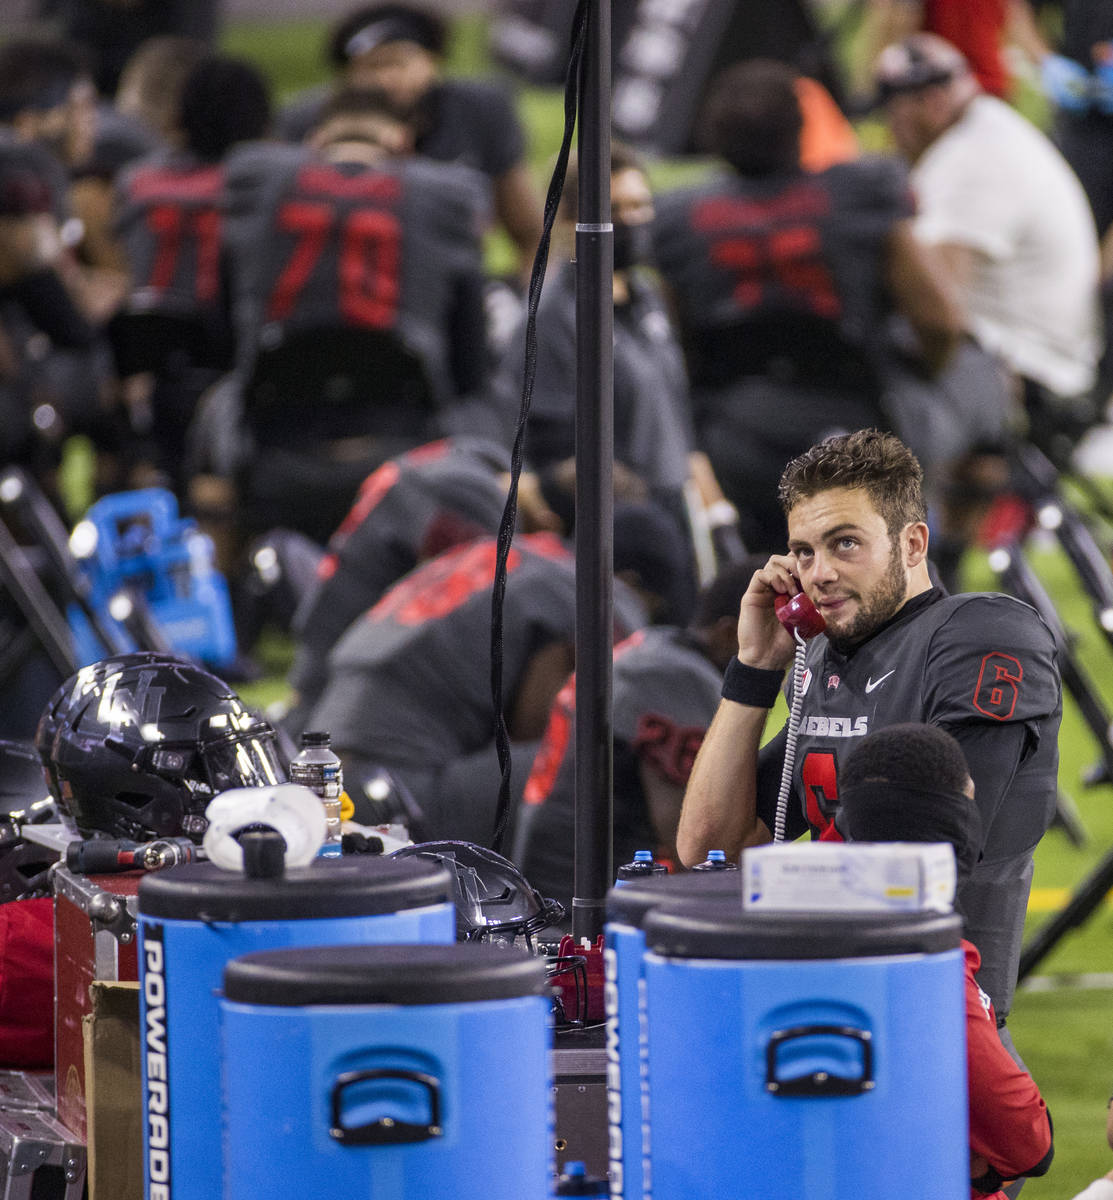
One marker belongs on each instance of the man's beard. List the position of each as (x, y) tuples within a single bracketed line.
[(886, 599)]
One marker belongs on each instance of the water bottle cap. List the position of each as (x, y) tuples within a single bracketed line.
[(643, 856), (316, 737), (716, 856)]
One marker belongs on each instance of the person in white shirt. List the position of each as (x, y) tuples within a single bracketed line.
[(1006, 212), (1009, 221)]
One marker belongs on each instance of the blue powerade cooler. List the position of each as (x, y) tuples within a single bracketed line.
[(808, 1055), (623, 956), (192, 920), (387, 1073)]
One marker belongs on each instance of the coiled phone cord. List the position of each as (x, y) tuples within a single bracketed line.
[(790, 737)]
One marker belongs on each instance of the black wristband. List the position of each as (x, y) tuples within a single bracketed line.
[(988, 1183), (751, 685)]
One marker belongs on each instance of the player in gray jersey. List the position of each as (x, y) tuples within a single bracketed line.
[(342, 233), (171, 339), (666, 688), (170, 205), (356, 279), (982, 666), (785, 282), (408, 510), (409, 685), (400, 49)]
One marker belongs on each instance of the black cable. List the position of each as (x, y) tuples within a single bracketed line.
[(572, 88)]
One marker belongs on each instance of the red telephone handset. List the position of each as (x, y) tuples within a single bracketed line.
[(798, 612)]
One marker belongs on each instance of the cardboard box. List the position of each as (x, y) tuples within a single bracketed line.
[(842, 877), (94, 939), (113, 1092)]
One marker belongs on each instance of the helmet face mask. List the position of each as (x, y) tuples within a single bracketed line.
[(494, 901), (24, 865), (136, 746)]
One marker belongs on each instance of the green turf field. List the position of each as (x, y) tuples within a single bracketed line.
[(1065, 1031)]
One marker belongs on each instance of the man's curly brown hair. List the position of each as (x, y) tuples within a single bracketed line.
[(878, 462)]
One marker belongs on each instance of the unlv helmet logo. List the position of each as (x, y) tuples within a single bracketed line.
[(120, 706)]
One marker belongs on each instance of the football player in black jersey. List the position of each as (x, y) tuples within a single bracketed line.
[(785, 282), (355, 274), (896, 649), (399, 49), (172, 337), (408, 510), (408, 685)]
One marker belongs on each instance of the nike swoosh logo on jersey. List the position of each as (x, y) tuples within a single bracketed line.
[(876, 683)]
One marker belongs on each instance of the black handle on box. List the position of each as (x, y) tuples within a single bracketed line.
[(386, 1131), (819, 1083), (100, 857)]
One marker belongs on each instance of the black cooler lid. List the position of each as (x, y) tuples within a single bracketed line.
[(720, 930), (356, 975), (358, 885), (631, 903)]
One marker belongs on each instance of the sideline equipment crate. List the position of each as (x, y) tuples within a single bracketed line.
[(134, 544)]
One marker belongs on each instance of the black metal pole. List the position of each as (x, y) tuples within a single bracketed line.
[(594, 488), (18, 578)]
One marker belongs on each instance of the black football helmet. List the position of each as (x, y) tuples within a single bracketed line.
[(494, 900), (24, 865), (495, 903), (135, 747)]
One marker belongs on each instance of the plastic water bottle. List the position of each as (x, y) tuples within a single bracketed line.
[(716, 860), (575, 1181), (318, 767), (641, 867)]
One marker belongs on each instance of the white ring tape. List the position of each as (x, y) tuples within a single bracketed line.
[(291, 808)]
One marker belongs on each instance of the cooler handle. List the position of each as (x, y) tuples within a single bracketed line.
[(819, 1083), (386, 1131)]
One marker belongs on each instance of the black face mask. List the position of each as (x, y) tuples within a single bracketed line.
[(632, 245)]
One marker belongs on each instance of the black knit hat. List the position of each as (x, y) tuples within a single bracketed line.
[(906, 783)]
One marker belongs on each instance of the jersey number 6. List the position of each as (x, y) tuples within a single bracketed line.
[(998, 686)]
